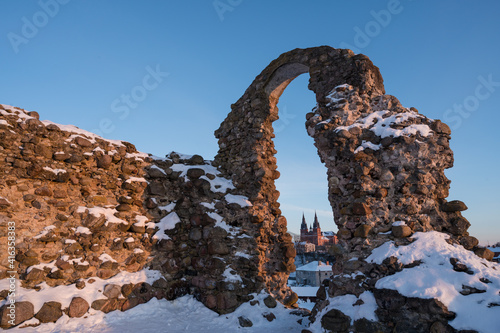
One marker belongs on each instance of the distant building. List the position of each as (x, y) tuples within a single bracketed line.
[(305, 247), (313, 273), (314, 235), (306, 293)]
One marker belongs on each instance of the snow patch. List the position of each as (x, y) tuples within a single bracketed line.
[(83, 230), (45, 231), (166, 223), (367, 144), (381, 125), (238, 199), (230, 277), (136, 179), (55, 171)]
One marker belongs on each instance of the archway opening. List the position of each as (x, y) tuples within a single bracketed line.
[(302, 184)]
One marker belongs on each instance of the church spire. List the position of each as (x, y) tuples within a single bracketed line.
[(316, 222), (303, 226)]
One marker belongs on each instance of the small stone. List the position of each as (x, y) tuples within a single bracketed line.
[(29, 197), (61, 156), (439, 127), (82, 142), (195, 234), (459, 225), (359, 208), (49, 313), (78, 307), (34, 114), (411, 210), (36, 204), (131, 302), (160, 284), (484, 253), (344, 134), (44, 191), (197, 159), (107, 305), (344, 233), (291, 299), (35, 274), (335, 321), (59, 193), (387, 176), (401, 231), (362, 231), (112, 291), (106, 273), (123, 207), (211, 302), (439, 327), (218, 247), (245, 322), (137, 229), (469, 242), (458, 266), (58, 274), (270, 302), (387, 141), (22, 188), (468, 290), (104, 161), (195, 173), (127, 289), (454, 206), (80, 284), (24, 311)]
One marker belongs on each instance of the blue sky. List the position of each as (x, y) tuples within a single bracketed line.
[(163, 74)]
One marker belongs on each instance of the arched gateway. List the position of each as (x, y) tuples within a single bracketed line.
[(385, 163)]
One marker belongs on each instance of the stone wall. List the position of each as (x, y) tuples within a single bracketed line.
[(89, 210)]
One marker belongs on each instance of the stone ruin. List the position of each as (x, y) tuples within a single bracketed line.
[(88, 209)]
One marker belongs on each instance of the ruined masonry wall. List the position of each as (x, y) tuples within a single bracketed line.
[(95, 214)]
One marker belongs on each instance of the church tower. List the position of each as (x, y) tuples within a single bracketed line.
[(316, 232), (303, 229)]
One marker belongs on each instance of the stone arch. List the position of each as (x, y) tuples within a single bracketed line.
[(246, 133), (385, 163), (246, 146)]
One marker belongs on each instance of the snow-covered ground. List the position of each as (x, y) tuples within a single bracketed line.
[(184, 314), (434, 278)]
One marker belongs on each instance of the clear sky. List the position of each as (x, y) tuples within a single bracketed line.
[(163, 74)]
